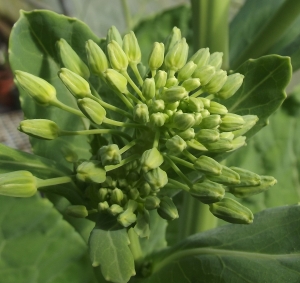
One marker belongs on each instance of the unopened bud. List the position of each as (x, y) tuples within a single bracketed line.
[(238, 142), (201, 57), (197, 145), (131, 48), (211, 121), (157, 105), (160, 79), (109, 154), (177, 55), (117, 57), (173, 38), (221, 145), (18, 184), (156, 57), (103, 194), (216, 82), (176, 144), (167, 209), (250, 121), (97, 59), (144, 189), (208, 165), (231, 211), (205, 113), (157, 178), (151, 202), (231, 122), (103, 206), (115, 209), (217, 108), (91, 172), (206, 102), (114, 34), (230, 87), (141, 113), (186, 71), (71, 60), (207, 135), (227, 135), (133, 194), (215, 60), (173, 106), (126, 218), (116, 196), (40, 128), (205, 74), (247, 178), (40, 90), (183, 121), (195, 104), (157, 119), (174, 94), (198, 119), (151, 159), (148, 89), (171, 82), (187, 134), (191, 84), (92, 110), (116, 80), (227, 177), (78, 211)]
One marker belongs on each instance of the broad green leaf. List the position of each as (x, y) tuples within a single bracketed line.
[(266, 251), (37, 246), (32, 49), (109, 249)]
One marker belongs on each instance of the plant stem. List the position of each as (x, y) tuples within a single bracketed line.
[(123, 162), (53, 181), (67, 108), (134, 245), (127, 15)]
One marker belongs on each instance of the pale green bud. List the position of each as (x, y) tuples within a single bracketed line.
[(109, 154), (131, 48), (96, 58), (156, 57), (195, 104), (92, 110), (187, 134), (208, 165), (174, 94), (186, 71), (171, 82), (246, 191), (207, 135), (238, 142), (231, 211), (197, 145), (114, 34), (207, 191), (157, 119), (144, 189), (41, 91), (173, 38), (173, 106), (160, 79), (157, 106), (40, 128), (206, 102), (201, 57), (115, 209), (117, 57), (231, 86), (116, 196), (133, 194), (176, 144), (151, 159), (91, 172), (151, 202), (103, 206), (78, 211), (227, 177), (116, 80), (250, 121), (205, 113), (18, 184), (142, 227), (191, 84), (216, 82), (217, 108), (148, 89), (177, 55), (231, 122), (126, 218), (221, 145), (157, 178), (183, 121), (205, 74), (211, 121), (71, 60), (141, 113), (227, 135), (167, 209), (247, 178), (198, 119), (215, 60), (103, 194)]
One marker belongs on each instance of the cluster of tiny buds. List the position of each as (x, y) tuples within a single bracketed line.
[(173, 122)]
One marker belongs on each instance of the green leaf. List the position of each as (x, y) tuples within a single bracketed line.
[(37, 246), (32, 49), (109, 248), (266, 251)]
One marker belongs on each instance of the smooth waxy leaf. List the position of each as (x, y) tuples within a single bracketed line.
[(266, 251), (109, 249), (37, 246)]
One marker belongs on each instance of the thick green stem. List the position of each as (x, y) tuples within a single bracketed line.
[(67, 108), (53, 181), (134, 245)]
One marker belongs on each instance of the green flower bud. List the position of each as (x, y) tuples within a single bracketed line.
[(205, 74), (103, 206), (103, 194), (227, 135), (206, 102), (231, 122), (211, 121), (231, 211), (177, 55), (204, 113), (18, 184), (208, 165), (144, 189), (40, 128), (160, 79), (109, 182), (71, 60), (220, 145), (157, 178), (116, 81), (91, 172), (207, 191), (131, 48), (142, 227), (183, 121), (195, 104), (174, 94), (250, 121), (227, 177), (141, 113), (173, 38), (238, 142), (216, 82), (78, 211), (197, 145), (148, 89), (176, 144), (173, 106), (187, 134), (215, 60), (157, 106), (157, 119), (92, 110), (171, 82), (198, 119), (201, 57), (117, 57), (186, 71), (247, 178), (151, 202), (114, 34), (156, 57), (116, 196), (207, 135), (217, 108), (96, 58), (167, 209), (115, 209), (248, 190), (126, 218), (109, 154), (231, 86), (41, 91), (151, 159), (133, 194), (191, 84)]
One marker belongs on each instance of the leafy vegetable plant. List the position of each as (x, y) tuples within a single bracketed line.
[(124, 145)]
